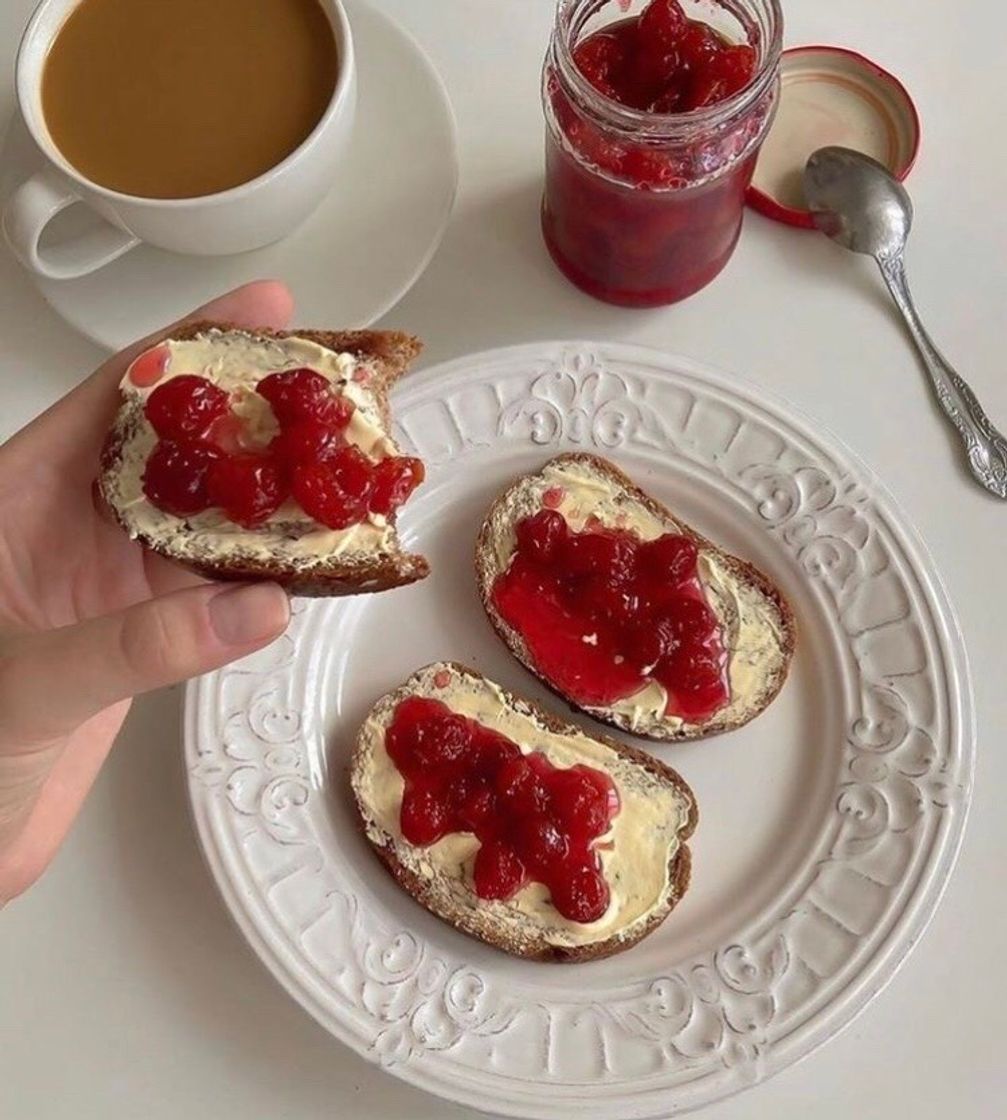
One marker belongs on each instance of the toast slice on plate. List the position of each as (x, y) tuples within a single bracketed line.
[(266, 455), (517, 827), (624, 610)]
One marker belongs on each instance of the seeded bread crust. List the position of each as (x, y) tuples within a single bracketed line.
[(476, 919), (389, 354), (740, 570)]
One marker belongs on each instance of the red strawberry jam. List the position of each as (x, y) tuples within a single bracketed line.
[(603, 613), (335, 491), (534, 821), (664, 62), (644, 207), (248, 488), (185, 407), (302, 394), (203, 461), (393, 481), (305, 442), (176, 477)]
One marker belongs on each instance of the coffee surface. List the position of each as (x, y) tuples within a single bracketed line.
[(189, 97)]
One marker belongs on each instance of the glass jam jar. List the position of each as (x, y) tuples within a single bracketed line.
[(644, 208)]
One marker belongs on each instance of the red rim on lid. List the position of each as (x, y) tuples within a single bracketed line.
[(830, 95)]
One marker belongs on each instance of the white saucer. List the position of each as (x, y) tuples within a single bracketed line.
[(354, 258)]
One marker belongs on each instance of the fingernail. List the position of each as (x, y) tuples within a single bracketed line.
[(251, 613)]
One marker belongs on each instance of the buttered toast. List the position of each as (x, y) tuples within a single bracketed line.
[(515, 826), (624, 610)]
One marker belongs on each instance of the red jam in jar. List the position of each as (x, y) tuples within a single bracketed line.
[(654, 123), (534, 821), (604, 613)]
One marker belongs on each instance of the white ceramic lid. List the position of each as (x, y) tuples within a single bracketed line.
[(830, 95)]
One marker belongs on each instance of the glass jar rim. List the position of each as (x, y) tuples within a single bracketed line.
[(662, 125)]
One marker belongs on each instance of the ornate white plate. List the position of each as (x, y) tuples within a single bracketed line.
[(828, 827)]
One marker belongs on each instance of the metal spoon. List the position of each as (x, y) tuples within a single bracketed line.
[(857, 202)]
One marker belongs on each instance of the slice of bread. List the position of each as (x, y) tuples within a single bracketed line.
[(289, 548), (645, 858), (757, 622)]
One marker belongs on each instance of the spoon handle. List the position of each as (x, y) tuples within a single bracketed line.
[(985, 447)]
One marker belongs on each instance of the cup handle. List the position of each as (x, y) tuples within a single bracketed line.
[(33, 206)]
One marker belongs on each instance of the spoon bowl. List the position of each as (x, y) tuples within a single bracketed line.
[(857, 202)]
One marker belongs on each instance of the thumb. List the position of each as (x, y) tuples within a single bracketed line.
[(51, 681)]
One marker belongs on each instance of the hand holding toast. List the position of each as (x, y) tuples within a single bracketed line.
[(88, 617)]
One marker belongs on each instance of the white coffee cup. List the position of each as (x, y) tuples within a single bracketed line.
[(248, 216)]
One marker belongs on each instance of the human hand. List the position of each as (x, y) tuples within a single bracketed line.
[(89, 618)]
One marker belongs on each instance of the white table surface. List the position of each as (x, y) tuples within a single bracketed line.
[(124, 989)]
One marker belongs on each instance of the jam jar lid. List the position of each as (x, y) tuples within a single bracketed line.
[(830, 95)]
